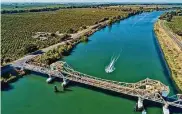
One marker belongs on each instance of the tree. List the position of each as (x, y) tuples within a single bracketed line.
[(71, 31), (141, 8), (30, 48), (169, 17), (84, 39), (110, 21)]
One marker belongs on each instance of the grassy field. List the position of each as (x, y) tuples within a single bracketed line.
[(176, 25), (17, 29), (172, 53)]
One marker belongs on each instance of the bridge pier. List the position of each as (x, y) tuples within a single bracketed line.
[(166, 109), (65, 82), (139, 105), (50, 79)]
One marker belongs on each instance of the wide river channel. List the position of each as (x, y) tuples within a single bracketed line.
[(140, 57)]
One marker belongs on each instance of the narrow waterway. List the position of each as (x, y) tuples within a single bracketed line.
[(140, 58)]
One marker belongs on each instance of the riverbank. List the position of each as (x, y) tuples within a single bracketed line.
[(55, 52), (23, 33), (172, 53), (58, 51), (10, 77)]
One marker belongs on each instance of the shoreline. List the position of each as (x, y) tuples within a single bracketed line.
[(171, 54), (76, 36), (93, 28)]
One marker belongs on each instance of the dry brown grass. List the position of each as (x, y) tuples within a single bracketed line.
[(172, 53)]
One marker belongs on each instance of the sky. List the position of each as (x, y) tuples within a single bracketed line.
[(166, 1)]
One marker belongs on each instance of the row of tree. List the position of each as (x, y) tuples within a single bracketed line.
[(70, 6), (169, 15), (58, 52)]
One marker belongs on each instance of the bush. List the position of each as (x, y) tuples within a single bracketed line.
[(71, 31), (110, 21), (84, 39), (30, 48)]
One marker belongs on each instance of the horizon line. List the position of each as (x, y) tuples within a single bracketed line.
[(88, 2)]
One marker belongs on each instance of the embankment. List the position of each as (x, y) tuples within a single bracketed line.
[(172, 53)]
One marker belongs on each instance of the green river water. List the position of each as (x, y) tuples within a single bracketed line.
[(140, 57)]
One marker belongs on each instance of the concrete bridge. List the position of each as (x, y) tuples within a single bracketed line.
[(147, 89)]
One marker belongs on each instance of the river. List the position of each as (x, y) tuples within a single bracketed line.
[(140, 58)]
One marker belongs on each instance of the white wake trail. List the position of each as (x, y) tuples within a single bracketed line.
[(110, 68), (139, 20)]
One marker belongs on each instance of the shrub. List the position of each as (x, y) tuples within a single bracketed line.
[(30, 48)]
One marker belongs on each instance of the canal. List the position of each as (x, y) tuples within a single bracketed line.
[(140, 57)]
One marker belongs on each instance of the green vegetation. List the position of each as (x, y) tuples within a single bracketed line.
[(23, 6), (174, 19), (8, 78), (169, 15), (57, 53), (18, 29), (176, 25), (84, 39), (173, 54), (30, 7)]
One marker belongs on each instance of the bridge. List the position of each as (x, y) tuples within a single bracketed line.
[(147, 89)]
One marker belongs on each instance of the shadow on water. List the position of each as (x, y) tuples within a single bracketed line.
[(175, 110), (6, 69), (147, 103), (7, 88), (110, 28), (164, 64), (108, 92)]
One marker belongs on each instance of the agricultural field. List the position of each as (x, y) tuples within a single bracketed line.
[(27, 6), (175, 25), (17, 29), (172, 53)]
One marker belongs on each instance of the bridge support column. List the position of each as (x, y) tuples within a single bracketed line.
[(165, 109), (139, 105), (65, 82), (50, 79)]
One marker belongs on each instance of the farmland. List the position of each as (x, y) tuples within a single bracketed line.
[(172, 53), (26, 6), (175, 25), (18, 29)]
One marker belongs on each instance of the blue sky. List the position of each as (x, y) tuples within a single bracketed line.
[(166, 1)]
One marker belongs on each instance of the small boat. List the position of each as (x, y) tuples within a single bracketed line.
[(110, 68)]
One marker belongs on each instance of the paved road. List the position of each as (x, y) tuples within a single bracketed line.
[(171, 35)]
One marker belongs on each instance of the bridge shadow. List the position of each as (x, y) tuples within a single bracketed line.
[(175, 110), (147, 103), (7, 87), (164, 64), (108, 92), (115, 94)]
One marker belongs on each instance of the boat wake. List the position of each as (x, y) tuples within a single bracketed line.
[(142, 18), (110, 68)]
